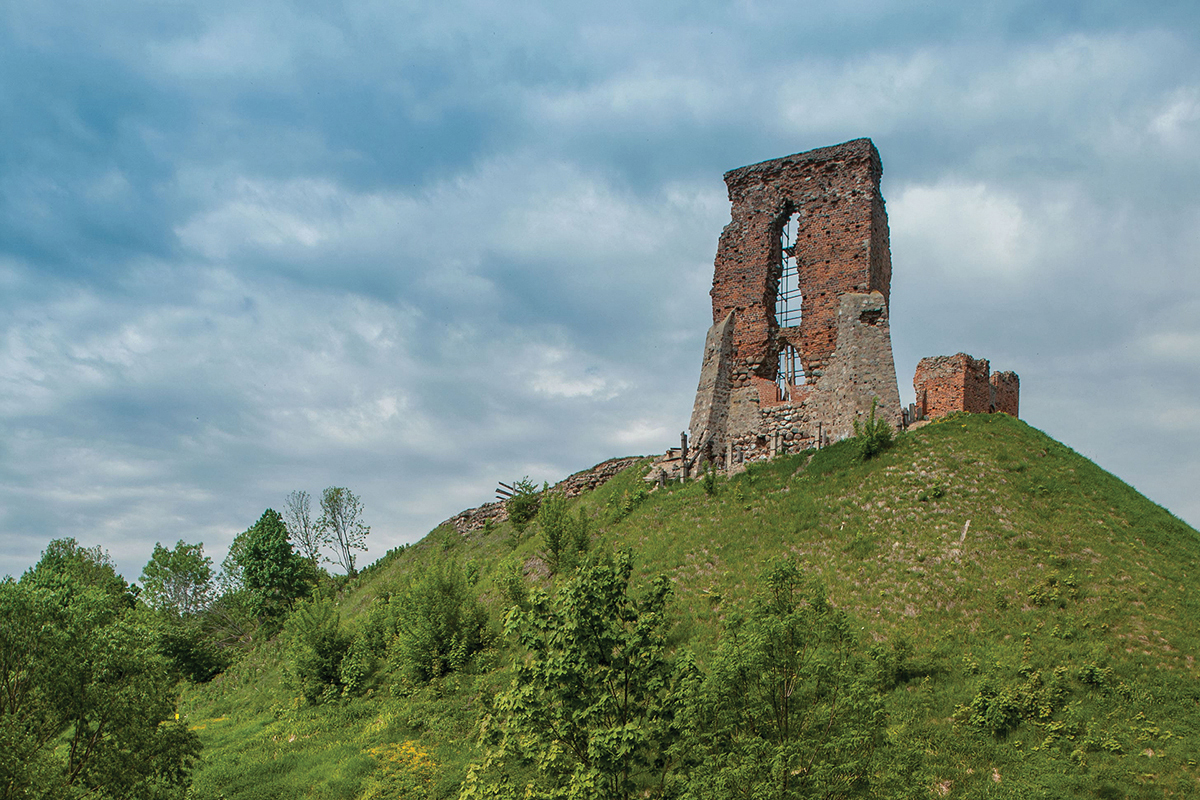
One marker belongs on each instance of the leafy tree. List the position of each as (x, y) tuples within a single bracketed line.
[(553, 518), (342, 527), (86, 701), (66, 559), (273, 573), (230, 619), (789, 709), (192, 649), (593, 705), (369, 646), (441, 625), (232, 577), (178, 582), (307, 535)]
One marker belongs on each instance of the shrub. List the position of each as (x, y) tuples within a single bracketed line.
[(553, 518), (191, 652), (523, 506), (442, 624), (995, 711), (621, 507), (368, 646), (564, 537), (315, 650), (511, 581), (873, 436), (1054, 591)]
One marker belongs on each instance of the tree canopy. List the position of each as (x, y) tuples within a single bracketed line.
[(275, 575), (594, 704), (342, 526), (86, 700), (178, 581)]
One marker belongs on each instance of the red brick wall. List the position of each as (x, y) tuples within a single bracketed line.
[(1006, 390), (842, 246), (945, 384), (843, 337)]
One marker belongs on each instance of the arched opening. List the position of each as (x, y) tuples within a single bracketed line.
[(790, 370)]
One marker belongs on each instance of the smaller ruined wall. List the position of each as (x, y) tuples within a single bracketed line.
[(945, 384), (1006, 390), (475, 518)]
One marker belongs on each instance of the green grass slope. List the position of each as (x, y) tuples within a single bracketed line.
[(1044, 608)]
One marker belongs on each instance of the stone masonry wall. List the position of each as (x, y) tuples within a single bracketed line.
[(474, 519), (594, 478)]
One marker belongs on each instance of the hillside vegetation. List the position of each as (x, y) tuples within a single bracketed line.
[(1005, 620)]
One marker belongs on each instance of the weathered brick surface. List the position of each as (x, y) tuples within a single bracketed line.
[(844, 271), (1006, 390), (842, 246), (945, 384), (844, 340)]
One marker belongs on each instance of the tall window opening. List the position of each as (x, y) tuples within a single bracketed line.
[(787, 304)]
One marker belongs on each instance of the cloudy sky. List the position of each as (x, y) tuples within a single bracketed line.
[(416, 248)]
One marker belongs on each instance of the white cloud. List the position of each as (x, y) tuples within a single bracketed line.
[(243, 42), (1178, 123), (459, 268), (282, 216), (644, 435), (1180, 347), (651, 94), (556, 371), (541, 217), (869, 93), (964, 229)]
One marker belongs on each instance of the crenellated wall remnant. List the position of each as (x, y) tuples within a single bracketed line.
[(800, 347)]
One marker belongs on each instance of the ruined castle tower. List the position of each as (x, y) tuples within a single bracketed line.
[(800, 346)]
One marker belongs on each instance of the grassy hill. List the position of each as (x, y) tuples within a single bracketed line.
[(1038, 609)]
